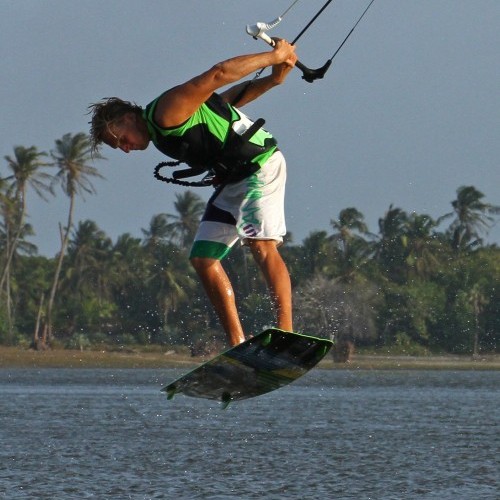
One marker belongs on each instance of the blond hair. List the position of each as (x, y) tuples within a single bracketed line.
[(105, 112)]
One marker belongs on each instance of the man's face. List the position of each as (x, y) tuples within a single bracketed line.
[(128, 134)]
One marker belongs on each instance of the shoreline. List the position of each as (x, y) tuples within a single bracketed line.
[(14, 357)]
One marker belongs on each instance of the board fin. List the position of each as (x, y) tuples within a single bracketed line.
[(226, 398), (171, 390)]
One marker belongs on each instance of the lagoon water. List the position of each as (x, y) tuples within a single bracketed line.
[(334, 434)]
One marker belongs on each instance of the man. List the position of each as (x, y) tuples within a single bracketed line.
[(194, 124)]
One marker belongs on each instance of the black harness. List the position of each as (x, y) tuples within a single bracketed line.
[(231, 165)]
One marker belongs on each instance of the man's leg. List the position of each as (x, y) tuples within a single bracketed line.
[(221, 294), (276, 274)]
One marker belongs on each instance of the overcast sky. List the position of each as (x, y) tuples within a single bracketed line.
[(409, 111)]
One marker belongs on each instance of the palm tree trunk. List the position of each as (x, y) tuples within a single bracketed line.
[(36, 335), (475, 348), (64, 243), (5, 279), (8, 244), (12, 245), (9, 309)]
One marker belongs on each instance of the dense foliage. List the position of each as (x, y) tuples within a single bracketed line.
[(418, 284)]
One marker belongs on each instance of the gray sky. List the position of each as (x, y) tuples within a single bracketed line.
[(409, 111)]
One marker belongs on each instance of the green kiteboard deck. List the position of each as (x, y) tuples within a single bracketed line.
[(261, 364)]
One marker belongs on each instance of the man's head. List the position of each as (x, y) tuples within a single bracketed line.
[(118, 124)]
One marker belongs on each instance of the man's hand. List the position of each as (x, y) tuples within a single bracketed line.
[(284, 52), (280, 70)]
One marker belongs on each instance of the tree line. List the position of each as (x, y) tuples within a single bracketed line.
[(418, 284)]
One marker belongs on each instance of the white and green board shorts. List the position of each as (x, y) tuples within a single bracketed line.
[(253, 208)]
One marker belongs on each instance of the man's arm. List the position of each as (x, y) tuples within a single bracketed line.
[(245, 92), (177, 105)]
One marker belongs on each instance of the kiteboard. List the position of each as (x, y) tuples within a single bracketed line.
[(261, 364)]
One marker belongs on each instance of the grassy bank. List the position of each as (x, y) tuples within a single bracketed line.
[(13, 357)]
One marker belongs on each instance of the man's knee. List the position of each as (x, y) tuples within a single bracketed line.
[(201, 264), (197, 262), (262, 249)]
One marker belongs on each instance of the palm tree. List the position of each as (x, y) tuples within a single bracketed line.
[(350, 221), (171, 281), (129, 262), (317, 254), (8, 207), (472, 217), (87, 256), (129, 267), (390, 249), (165, 240), (71, 156), (84, 278), (157, 232), (183, 226), (168, 277), (476, 301), (25, 166), (423, 246), (352, 247)]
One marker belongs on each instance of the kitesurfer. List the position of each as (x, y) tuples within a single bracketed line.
[(200, 124)]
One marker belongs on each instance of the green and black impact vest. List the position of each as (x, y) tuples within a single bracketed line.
[(214, 138)]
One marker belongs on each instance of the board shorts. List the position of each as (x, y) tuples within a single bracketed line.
[(253, 208)]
